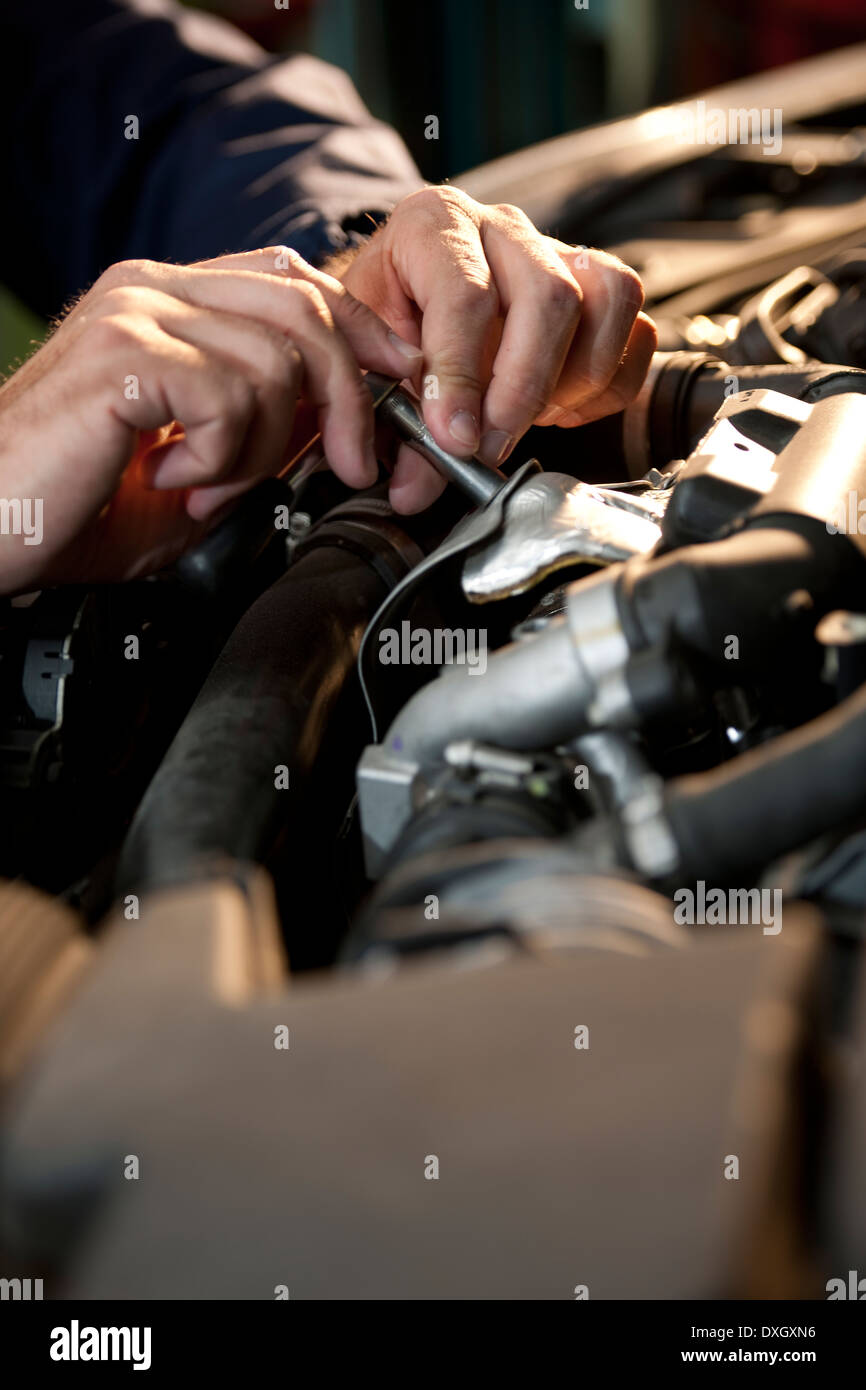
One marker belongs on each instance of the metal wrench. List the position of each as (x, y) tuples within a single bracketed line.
[(550, 520), (397, 407)]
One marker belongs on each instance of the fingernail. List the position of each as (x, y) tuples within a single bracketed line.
[(407, 349), (464, 428), (495, 444)]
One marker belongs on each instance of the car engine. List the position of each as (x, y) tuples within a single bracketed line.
[(399, 898)]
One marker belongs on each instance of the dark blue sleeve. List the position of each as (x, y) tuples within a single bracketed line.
[(235, 149)]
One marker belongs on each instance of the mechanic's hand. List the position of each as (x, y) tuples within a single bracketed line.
[(230, 348), (516, 328)]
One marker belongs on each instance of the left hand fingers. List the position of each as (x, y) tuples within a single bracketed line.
[(566, 318), (543, 309), (373, 343), (499, 311), (619, 391), (612, 298), (415, 485)]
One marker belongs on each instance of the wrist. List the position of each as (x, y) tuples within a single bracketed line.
[(358, 230), (338, 264)]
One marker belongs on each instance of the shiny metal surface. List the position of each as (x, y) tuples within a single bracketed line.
[(553, 521), (397, 408)]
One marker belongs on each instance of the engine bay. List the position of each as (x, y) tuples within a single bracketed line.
[(403, 838)]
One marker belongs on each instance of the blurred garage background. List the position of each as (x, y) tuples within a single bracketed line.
[(502, 74)]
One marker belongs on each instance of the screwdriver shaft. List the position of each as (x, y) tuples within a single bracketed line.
[(475, 479)]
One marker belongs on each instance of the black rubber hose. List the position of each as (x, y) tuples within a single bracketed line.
[(683, 391), (266, 704), (774, 798), (743, 586)]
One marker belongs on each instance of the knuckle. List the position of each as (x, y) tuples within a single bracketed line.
[(116, 331), (124, 273), (457, 373), (288, 262), (618, 393), (234, 392), (649, 334), (598, 380), (292, 361), (629, 285), (561, 294), (423, 198), (625, 384), (435, 200), (295, 361), (509, 212), (594, 382), (125, 299), (279, 360), (526, 396), (477, 297), (306, 302), (222, 392), (352, 309)]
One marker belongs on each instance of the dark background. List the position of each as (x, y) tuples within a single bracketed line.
[(502, 74)]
